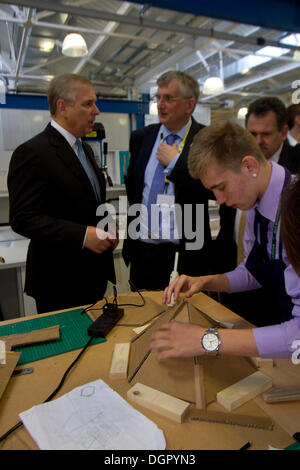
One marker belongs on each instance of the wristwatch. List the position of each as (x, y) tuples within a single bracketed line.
[(211, 341)]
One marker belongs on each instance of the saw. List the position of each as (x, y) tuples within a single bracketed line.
[(259, 422)]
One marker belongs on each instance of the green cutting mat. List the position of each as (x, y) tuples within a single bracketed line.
[(73, 334)]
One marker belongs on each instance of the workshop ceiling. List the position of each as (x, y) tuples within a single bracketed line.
[(130, 45)]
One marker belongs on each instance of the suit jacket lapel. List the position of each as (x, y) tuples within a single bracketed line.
[(195, 127), (68, 156), (144, 153), (147, 146)]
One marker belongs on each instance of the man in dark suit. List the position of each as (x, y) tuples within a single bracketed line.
[(154, 158), (267, 121), (293, 121), (55, 187)]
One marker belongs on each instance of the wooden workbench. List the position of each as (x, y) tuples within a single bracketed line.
[(25, 391)]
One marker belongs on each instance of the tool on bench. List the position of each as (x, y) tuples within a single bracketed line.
[(25, 370), (173, 276)]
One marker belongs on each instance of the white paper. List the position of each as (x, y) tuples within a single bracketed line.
[(91, 417)]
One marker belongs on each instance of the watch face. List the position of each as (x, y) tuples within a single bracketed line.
[(210, 342)]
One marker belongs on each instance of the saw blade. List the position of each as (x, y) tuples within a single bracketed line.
[(259, 422)]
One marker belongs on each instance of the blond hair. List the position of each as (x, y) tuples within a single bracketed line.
[(64, 86), (223, 143)]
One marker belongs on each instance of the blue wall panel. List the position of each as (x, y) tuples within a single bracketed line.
[(106, 106), (279, 14)]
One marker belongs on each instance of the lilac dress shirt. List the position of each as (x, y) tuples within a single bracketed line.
[(274, 341)]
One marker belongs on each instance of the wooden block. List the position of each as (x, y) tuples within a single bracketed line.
[(139, 329), (239, 393), (282, 394), (262, 362), (119, 363), (159, 402)]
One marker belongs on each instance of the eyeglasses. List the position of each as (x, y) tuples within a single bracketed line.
[(167, 98)]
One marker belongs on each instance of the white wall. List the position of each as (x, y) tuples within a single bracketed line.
[(202, 114), (19, 125)]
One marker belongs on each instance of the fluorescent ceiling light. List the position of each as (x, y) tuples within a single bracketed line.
[(293, 40), (245, 70), (46, 45), (273, 51)]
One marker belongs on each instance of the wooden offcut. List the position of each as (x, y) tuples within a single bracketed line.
[(119, 363), (31, 337), (261, 362), (7, 369), (21, 339), (282, 394), (240, 392), (158, 402)]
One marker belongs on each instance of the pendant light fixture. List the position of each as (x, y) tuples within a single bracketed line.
[(214, 84), (74, 45)]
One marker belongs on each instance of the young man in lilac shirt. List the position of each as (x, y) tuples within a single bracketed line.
[(229, 162)]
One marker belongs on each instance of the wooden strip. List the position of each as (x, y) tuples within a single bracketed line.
[(282, 394), (234, 396), (119, 363), (159, 402), (34, 336), (199, 386)]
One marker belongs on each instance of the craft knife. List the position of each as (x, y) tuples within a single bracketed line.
[(26, 370)]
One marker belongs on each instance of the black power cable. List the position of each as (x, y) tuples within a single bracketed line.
[(52, 395)]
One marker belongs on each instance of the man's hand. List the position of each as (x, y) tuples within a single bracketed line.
[(191, 285), (166, 153), (175, 339), (98, 240), (187, 284)]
